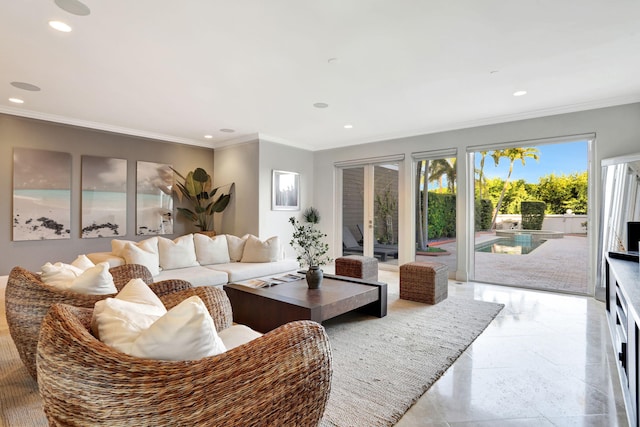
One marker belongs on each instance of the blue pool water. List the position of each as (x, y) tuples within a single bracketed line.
[(516, 245)]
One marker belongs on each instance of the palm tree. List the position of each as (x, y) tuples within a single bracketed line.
[(443, 168), (512, 154), (422, 235), (481, 172)]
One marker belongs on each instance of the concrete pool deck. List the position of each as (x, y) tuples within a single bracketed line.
[(557, 265)]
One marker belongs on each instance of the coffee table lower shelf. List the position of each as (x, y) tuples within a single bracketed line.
[(265, 309)]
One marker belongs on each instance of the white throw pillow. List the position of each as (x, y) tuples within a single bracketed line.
[(144, 253), (59, 274), (118, 323), (255, 250), (237, 335), (117, 246), (236, 246), (211, 250), (82, 262), (186, 332), (135, 299), (178, 253), (96, 280)]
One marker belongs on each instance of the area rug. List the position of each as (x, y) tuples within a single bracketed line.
[(382, 366)]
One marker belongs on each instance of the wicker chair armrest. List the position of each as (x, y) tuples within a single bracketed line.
[(281, 378), (123, 273), (214, 298), (166, 287)]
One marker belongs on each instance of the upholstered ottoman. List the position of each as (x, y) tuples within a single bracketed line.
[(358, 266), (424, 282)]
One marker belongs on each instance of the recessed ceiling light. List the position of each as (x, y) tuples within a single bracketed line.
[(332, 60), (16, 100), (227, 130), (25, 86), (320, 105), (208, 136), (73, 6), (519, 93), (60, 26), (348, 126)]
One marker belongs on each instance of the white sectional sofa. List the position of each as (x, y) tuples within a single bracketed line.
[(200, 259)]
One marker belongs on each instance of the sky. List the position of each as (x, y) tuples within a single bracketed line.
[(565, 158)]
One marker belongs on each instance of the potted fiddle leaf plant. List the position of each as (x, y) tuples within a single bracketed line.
[(198, 190), (308, 242)]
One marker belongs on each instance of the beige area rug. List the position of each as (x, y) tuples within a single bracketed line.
[(381, 366)]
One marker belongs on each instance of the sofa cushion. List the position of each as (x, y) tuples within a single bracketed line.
[(197, 276), (237, 335), (96, 280), (143, 253), (211, 250), (236, 246), (238, 271), (177, 253), (256, 250)]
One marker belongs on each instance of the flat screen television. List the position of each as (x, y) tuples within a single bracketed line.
[(633, 236)]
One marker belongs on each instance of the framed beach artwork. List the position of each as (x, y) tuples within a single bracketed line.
[(285, 191), (41, 194), (154, 199), (104, 197)]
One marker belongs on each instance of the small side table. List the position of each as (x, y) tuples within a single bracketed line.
[(358, 266), (424, 282)]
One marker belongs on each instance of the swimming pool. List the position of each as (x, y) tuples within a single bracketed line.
[(516, 245)]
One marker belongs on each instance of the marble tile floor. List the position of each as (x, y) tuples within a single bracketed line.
[(546, 360)]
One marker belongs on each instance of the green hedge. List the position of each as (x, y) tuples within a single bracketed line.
[(442, 215), (483, 214), (532, 214)]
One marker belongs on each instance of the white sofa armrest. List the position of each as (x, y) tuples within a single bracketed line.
[(113, 260)]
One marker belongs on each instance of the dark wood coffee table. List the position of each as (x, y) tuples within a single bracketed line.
[(264, 309)]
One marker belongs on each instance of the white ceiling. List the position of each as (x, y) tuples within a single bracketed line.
[(180, 70)]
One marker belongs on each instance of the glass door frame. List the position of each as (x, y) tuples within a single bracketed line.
[(368, 202)]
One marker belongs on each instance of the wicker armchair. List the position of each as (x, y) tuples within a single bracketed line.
[(282, 378), (28, 299)]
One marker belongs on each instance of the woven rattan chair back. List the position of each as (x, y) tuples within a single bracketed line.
[(28, 299), (282, 378)]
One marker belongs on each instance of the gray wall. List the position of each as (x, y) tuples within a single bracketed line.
[(617, 131), (29, 133), (250, 166)]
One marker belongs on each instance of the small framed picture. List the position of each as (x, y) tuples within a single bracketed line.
[(285, 191)]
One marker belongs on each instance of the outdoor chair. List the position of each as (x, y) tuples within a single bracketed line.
[(350, 246), (28, 299), (280, 378)]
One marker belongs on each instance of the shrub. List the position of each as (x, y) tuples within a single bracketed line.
[(532, 214)]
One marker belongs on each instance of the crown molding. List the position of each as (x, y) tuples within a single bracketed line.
[(100, 126)]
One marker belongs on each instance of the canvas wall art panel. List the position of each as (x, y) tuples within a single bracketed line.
[(104, 197), (154, 199), (41, 194)]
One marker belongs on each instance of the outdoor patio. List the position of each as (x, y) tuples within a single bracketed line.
[(558, 264)]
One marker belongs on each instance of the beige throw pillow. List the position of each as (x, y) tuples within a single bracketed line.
[(255, 250), (211, 250), (177, 253), (236, 246)]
